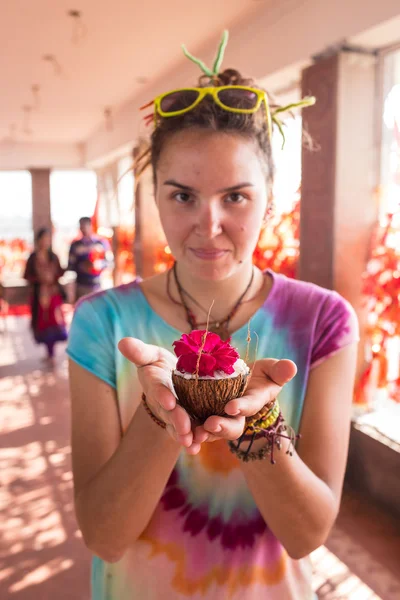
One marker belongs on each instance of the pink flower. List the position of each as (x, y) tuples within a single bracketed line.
[(217, 355)]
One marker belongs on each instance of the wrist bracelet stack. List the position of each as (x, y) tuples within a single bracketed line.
[(151, 414), (269, 424)]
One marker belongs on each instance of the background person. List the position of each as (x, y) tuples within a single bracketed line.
[(89, 256), (43, 271)]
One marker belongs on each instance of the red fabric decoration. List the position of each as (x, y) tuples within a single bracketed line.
[(381, 289)]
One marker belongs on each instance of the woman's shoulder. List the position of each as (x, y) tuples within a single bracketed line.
[(117, 297), (308, 304), (301, 293)]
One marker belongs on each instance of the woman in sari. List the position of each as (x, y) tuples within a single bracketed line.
[(43, 271)]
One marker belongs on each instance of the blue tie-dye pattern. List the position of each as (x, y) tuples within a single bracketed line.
[(298, 321)]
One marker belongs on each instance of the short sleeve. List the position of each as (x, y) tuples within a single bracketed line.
[(91, 340), (336, 327)]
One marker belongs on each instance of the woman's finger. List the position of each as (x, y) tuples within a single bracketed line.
[(253, 402), (269, 377), (161, 395), (184, 440), (139, 353), (228, 429), (279, 371), (200, 435), (178, 419), (193, 449)]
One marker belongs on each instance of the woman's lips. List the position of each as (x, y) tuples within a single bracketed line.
[(208, 253)]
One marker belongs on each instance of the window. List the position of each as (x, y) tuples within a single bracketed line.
[(16, 235), (73, 195), (390, 149), (287, 162)]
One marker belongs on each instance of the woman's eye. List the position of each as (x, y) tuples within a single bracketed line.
[(182, 197), (235, 198)]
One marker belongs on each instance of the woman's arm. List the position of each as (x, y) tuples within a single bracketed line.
[(59, 271), (30, 272), (118, 482), (119, 478), (299, 497)]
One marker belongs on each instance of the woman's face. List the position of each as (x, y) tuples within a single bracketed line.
[(45, 241), (212, 197)]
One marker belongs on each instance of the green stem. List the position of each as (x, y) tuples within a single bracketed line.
[(309, 101), (197, 61), (278, 123), (221, 51)]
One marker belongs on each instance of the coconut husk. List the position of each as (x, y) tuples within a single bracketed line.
[(202, 398)]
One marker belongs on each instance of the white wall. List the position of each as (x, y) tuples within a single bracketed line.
[(283, 34)]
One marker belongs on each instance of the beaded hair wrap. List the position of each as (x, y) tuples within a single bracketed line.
[(269, 424)]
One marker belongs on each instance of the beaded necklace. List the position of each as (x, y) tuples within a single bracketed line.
[(220, 327)]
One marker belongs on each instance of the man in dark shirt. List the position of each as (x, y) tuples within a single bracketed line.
[(88, 257)]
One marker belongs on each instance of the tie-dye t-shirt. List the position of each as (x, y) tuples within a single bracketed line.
[(207, 539)]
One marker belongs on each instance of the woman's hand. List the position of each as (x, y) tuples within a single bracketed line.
[(155, 366), (268, 378)]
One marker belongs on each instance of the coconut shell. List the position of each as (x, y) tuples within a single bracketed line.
[(202, 398)]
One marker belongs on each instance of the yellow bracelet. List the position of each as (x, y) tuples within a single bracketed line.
[(261, 421), (270, 420)]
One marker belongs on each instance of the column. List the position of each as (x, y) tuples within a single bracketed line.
[(338, 206), (41, 209)]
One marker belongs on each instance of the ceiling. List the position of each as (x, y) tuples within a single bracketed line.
[(123, 46)]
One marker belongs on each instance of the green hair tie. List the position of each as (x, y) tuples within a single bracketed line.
[(307, 101), (221, 51), (218, 60)]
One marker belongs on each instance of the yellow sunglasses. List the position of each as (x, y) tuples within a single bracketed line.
[(233, 98)]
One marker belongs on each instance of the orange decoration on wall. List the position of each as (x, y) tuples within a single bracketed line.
[(381, 291)]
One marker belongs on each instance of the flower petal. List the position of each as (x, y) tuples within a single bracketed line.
[(212, 342), (187, 363), (207, 365), (196, 336), (189, 341), (181, 348)]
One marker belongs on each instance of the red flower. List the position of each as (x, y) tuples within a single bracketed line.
[(216, 355)]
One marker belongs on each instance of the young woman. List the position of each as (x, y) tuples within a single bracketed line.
[(43, 271), (167, 513)]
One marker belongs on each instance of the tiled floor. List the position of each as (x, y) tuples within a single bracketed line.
[(41, 554)]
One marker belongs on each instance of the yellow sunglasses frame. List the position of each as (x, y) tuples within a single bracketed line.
[(214, 91)]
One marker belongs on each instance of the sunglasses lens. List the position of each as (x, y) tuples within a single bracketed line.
[(237, 98), (178, 100)]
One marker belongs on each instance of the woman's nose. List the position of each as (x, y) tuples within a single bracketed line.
[(209, 221)]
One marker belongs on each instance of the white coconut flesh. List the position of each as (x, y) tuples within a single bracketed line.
[(240, 369)]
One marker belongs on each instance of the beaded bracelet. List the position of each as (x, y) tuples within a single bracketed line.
[(269, 424), (246, 456), (151, 414), (259, 422)]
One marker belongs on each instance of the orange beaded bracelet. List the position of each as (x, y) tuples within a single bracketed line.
[(150, 413)]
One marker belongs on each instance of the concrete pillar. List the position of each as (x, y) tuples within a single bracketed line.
[(41, 209), (338, 205)]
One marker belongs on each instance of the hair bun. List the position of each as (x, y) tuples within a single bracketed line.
[(233, 77)]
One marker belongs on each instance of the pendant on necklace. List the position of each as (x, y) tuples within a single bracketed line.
[(220, 329)]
